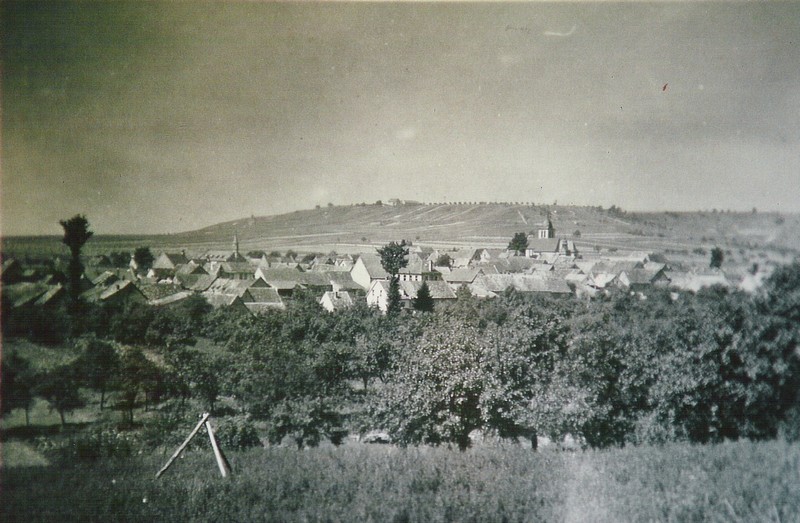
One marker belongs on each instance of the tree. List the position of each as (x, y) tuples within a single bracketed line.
[(16, 387), (424, 301), (519, 242), (76, 234), (444, 260), (393, 258), (433, 395), (717, 257), (144, 258), (98, 364), (61, 388)]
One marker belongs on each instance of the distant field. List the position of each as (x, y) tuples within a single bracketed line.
[(754, 482), (351, 229)]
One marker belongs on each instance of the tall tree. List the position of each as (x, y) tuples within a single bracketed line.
[(144, 258), (519, 242), (393, 258), (424, 301), (76, 234)]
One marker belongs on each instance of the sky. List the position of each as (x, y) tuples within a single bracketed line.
[(160, 117)]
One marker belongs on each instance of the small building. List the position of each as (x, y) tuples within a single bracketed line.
[(336, 300)]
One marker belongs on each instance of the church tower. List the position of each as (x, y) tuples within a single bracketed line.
[(546, 229)]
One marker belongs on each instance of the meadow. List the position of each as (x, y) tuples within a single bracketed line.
[(741, 481)]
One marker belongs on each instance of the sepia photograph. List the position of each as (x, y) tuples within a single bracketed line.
[(399, 261)]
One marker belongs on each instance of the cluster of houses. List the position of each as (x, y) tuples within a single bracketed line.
[(549, 265)]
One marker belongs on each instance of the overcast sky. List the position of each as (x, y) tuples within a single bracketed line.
[(166, 116)]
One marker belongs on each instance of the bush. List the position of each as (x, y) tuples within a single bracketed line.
[(92, 444), (236, 432)]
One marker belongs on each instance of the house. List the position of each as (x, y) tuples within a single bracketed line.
[(169, 261), (119, 292), (171, 299), (378, 293), (336, 300), (24, 294), (641, 279), (367, 270), (232, 287), (498, 283), (263, 298), (457, 277), (12, 271), (343, 281), (236, 270), (227, 301), (284, 280), (463, 257), (158, 291)]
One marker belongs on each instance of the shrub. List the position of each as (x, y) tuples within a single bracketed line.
[(236, 432)]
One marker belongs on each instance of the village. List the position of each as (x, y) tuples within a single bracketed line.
[(257, 282)]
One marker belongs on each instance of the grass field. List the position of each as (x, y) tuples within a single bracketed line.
[(740, 481)]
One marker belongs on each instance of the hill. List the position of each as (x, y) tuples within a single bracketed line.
[(360, 228)]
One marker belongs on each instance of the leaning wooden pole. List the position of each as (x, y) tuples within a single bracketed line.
[(222, 463), (183, 445)]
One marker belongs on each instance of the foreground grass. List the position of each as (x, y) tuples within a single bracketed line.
[(731, 482)]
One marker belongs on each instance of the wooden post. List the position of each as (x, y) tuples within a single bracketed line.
[(183, 446), (222, 463)]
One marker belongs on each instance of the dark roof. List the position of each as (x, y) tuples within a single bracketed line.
[(159, 291), (264, 295), (22, 294)]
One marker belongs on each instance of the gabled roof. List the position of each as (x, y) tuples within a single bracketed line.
[(264, 295), (415, 265), (465, 275), (190, 268), (337, 300), (344, 281), (198, 282), (542, 244), (167, 260), (372, 262), (106, 278), (222, 300), (54, 293), (22, 294), (229, 286)]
